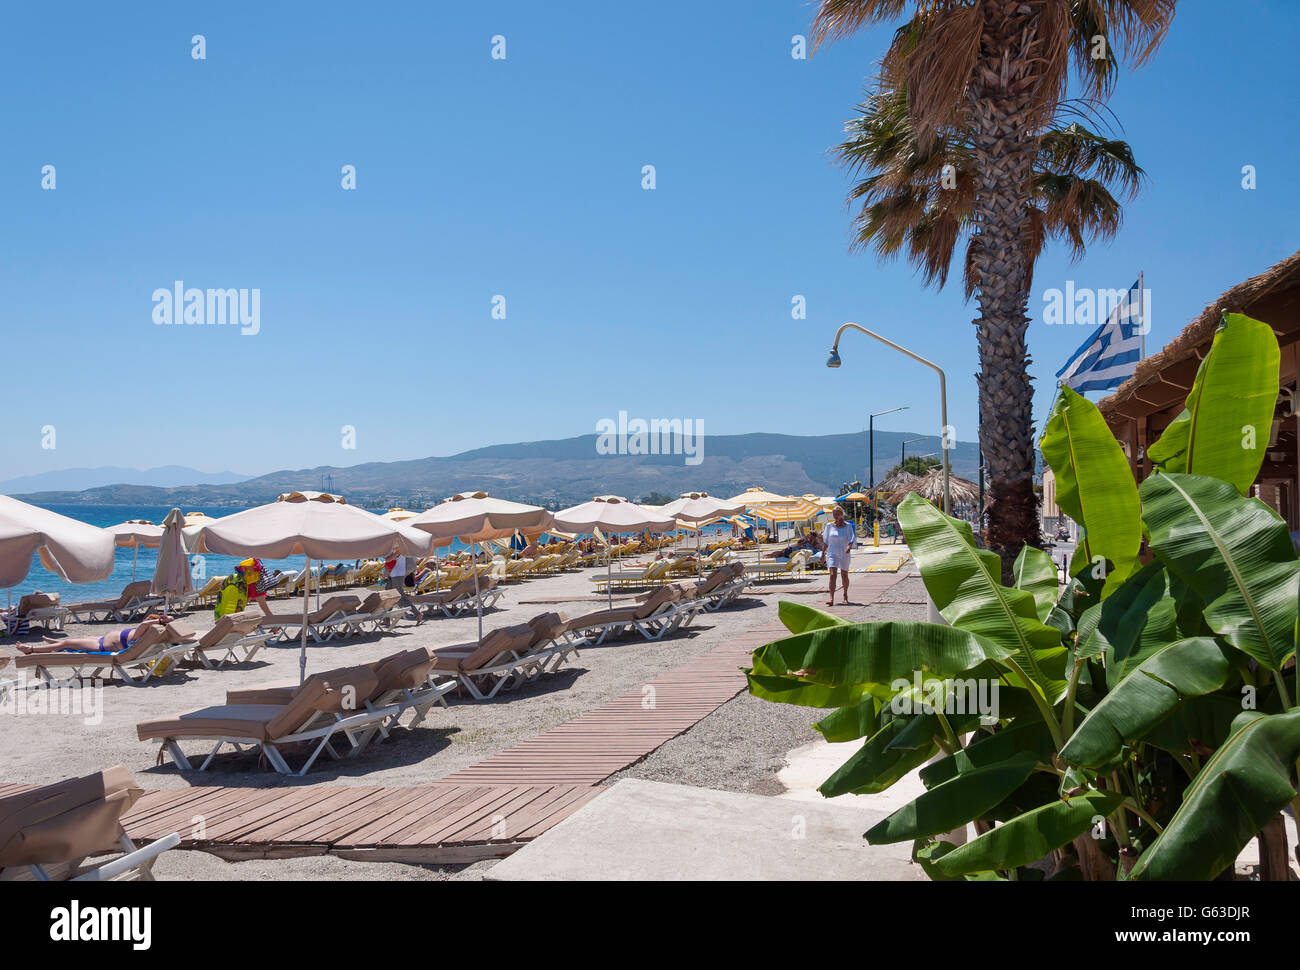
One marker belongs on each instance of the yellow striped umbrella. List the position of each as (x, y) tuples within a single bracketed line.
[(796, 511)]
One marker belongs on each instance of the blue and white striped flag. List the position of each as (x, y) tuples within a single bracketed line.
[(1108, 358)]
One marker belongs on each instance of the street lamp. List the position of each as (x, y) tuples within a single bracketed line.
[(834, 361), (871, 440), (902, 452)]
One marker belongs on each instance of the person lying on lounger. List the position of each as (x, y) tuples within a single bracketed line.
[(108, 645)]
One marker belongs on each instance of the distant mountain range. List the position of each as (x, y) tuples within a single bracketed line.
[(555, 473), (77, 479)]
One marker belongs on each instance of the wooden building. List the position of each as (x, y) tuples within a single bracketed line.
[(1143, 406)]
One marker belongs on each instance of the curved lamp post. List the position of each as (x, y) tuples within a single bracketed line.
[(834, 361)]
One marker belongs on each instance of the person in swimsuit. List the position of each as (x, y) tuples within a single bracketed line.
[(108, 645)]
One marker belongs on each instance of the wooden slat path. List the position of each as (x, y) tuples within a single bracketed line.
[(432, 823), (487, 810), (604, 741)]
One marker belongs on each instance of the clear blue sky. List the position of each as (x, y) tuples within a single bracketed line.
[(522, 177)]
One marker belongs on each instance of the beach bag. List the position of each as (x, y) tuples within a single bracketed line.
[(267, 579)]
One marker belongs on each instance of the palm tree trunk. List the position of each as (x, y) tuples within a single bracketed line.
[(1001, 99)]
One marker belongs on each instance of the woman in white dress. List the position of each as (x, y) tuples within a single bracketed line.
[(839, 537)]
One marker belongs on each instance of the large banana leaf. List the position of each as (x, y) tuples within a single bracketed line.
[(799, 618), (1133, 622), (1235, 553), (1027, 736), (1094, 485), (963, 582), (1150, 692), (875, 766), (851, 722), (964, 797), (803, 693), (1029, 836), (1196, 724), (877, 653), (1035, 573), (1224, 429), (1245, 784)]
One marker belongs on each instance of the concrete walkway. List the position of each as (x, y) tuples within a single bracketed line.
[(650, 831)]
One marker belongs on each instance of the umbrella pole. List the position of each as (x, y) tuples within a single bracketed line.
[(609, 581), (306, 601), (478, 597), (133, 561)]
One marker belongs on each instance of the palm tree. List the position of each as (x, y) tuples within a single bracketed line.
[(983, 82)]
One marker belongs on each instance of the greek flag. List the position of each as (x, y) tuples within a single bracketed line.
[(1108, 358)]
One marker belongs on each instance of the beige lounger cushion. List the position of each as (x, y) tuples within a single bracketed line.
[(67, 820), (346, 603), (379, 601), (130, 591), (238, 624), (653, 601), (37, 601), (547, 627), (466, 658), (265, 722), (403, 671)]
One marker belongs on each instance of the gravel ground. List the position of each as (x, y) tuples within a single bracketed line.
[(742, 745)]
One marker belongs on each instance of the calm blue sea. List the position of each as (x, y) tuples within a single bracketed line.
[(105, 515)]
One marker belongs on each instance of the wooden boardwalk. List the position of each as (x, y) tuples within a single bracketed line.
[(604, 741), (432, 823), (487, 810)]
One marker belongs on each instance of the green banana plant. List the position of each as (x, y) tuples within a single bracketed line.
[(1223, 431), (1144, 707)]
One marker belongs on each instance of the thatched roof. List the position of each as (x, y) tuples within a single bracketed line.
[(930, 487), (894, 482), (1281, 310)]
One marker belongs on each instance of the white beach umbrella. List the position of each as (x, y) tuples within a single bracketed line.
[(755, 496), (75, 551), (609, 513), (171, 576), (473, 517), (700, 509), (195, 522), (134, 533), (312, 524)]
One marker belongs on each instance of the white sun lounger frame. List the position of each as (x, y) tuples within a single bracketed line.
[(357, 726)]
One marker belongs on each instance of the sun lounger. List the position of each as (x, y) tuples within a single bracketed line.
[(658, 615), (498, 661), (235, 633), (203, 596), (47, 833), (328, 622), (457, 600), (404, 682), (789, 569), (148, 657), (652, 575), (134, 601), (379, 610), (721, 587), (42, 609), (324, 709)]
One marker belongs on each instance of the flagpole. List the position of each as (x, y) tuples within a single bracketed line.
[(1142, 312)]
